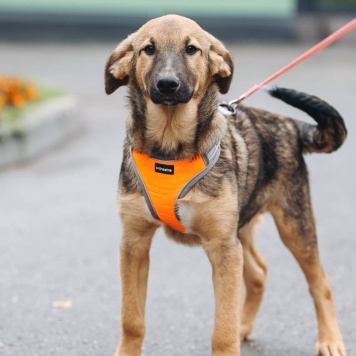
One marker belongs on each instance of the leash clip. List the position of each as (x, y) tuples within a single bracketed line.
[(229, 108)]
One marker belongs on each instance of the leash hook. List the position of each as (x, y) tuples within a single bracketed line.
[(228, 108)]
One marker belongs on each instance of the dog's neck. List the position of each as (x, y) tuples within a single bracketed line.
[(175, 132)]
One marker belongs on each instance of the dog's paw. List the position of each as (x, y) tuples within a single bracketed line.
[(245, 331), (332, 348)]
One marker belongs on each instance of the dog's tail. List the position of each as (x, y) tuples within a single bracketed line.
[(330, 132)]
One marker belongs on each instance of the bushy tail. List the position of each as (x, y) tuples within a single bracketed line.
[(330, 132)]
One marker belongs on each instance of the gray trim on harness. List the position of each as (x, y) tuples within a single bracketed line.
[(143, 187), (210, 159)]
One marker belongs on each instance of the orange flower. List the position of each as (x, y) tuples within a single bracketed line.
[(17, 100), (3, 99), (15, 92), (30, 92)]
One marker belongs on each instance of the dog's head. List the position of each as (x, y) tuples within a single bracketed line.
[(171, 59)]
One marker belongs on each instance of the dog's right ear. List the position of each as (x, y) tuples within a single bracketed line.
[(118, 66)]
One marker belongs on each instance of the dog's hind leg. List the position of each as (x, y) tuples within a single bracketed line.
[(255, 272), (296, 226)]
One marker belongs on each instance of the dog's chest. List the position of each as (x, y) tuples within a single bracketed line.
[(163, 183)]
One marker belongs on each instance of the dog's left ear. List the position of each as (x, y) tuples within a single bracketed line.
[(118, 66), (221, 64)]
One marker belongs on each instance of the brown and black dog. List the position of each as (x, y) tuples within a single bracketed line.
[(174, 71)]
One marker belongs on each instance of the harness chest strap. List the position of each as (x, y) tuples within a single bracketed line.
[(163, 182)]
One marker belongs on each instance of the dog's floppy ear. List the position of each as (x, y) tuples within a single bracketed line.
[(118, 66), (221, 64)]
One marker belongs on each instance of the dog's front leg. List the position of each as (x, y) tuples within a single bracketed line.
[(226, 257), (134, 264)]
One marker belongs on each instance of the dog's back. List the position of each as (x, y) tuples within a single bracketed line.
[(276, 145)]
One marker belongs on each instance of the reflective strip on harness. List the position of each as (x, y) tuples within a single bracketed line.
[(163, 182)]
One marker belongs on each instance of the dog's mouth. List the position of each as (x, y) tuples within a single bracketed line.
[(166, 101)]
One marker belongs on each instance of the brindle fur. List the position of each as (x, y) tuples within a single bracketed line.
[(260, 169)]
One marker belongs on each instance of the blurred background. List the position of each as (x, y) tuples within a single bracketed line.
[(93, 19), (60, 152)]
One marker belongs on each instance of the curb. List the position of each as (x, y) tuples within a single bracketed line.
[(45, 127)]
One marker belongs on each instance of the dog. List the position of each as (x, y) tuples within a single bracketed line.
[(207, 177)]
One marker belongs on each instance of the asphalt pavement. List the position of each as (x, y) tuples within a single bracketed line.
[(59, 228)]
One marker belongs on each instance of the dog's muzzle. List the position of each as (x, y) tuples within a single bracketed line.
[(168, 90), (167, 84)]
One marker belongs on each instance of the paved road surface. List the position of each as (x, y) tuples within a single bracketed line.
[(59, 229)]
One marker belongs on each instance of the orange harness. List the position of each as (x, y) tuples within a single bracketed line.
[(164, 182)]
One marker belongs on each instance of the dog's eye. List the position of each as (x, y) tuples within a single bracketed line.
[(191, 49), (149, 49)]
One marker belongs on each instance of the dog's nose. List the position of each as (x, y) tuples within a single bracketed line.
[(167, 84)]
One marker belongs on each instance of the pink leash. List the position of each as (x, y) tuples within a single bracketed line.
[(324, 43)]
